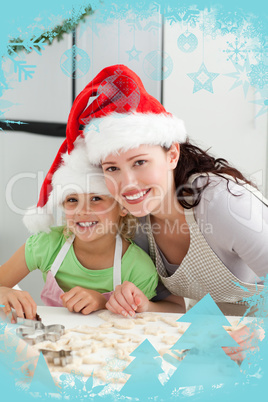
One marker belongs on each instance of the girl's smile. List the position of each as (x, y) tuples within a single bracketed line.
[(90, 216)]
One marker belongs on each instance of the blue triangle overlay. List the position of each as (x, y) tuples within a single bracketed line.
[(42, 381)]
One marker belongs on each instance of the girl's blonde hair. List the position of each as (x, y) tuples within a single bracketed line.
[(127, 226)]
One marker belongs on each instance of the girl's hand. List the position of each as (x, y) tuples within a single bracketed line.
[(127, 299), (82, 300), (21, 301)]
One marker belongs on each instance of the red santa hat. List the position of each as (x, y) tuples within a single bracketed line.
[(122, 116), (70, 173)]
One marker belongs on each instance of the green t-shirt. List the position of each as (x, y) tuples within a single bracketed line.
[(137, 267)]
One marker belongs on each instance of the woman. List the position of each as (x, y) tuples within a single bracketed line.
[(201, 221)]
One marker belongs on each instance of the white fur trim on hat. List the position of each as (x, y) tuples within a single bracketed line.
[(74, 176), (120, 132)]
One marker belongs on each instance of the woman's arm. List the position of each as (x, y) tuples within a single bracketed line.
[(235, 227), (12, 272)]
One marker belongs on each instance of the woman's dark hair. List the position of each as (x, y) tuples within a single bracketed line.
[(194, 160)]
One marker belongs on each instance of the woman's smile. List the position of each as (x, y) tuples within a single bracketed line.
[(140, 178), (134, 197)]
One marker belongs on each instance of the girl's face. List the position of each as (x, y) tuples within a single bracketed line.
[(91, 216), (141, 179)]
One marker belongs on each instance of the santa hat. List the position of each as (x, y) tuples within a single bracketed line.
[(122, 116), (70, 173)]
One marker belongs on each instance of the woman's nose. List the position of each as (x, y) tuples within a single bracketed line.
[(128, 178)]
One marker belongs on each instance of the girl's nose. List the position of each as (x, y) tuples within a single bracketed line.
[(84, 207)]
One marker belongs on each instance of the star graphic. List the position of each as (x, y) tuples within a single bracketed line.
[(240, 75), (203, 79), (133, 53), (263, 102)]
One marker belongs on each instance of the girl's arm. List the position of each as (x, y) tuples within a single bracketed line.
[(127, 299), (81, 300), (11, 273)]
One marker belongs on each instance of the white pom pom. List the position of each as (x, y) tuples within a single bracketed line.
[(38, 220)]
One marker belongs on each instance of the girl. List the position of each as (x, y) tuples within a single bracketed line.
[(203, 224), (81, 264)]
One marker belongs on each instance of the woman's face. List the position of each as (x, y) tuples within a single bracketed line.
[(141, 179)]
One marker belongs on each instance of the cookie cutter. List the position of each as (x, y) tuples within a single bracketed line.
[(57, 357), (29, 331), (173, 360)]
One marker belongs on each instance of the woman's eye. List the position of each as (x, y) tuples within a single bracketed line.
[(96, 198), (140, 162), (111, 169)]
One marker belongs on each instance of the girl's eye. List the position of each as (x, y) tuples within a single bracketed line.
[(96, 198), (140, 162), (111, 169), (71, 200)]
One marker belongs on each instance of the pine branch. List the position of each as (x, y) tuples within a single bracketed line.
[(48, 37)]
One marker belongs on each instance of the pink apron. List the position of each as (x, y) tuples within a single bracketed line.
[(51, 292)]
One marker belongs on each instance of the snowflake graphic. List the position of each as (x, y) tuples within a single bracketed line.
[(22, 68), (263, 102), (153, 26), (71, 382), (114, 368), (134, 24), (191, 17), (236, 51), (208, 24), (50, 35), (260, 50), (215, 22), (29, 45), (253, 28), (9, 122), (258, 75), (171, 14), (241, 76), (227, 23)]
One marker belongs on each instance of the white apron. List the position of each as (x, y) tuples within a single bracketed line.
[(51, 292), (201, 270)]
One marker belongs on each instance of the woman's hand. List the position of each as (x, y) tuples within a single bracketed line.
[(127, 299), (83, 301), (21, 301), (248, 341)]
